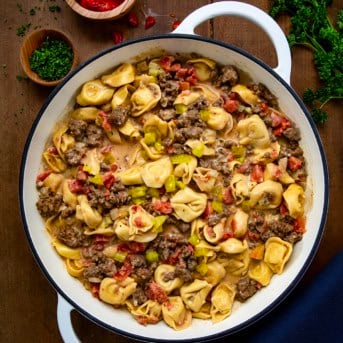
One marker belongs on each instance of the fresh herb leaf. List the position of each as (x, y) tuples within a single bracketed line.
[(311, 27)]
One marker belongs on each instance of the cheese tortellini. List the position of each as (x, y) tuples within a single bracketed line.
[(253, 131), (188, 204), (116, 292)]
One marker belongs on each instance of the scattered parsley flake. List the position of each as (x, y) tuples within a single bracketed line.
[(21, 31), (55, 8)]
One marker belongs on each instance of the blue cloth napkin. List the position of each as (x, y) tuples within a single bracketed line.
[(313, 313)]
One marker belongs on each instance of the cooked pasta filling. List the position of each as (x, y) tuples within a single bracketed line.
[(174, 188)]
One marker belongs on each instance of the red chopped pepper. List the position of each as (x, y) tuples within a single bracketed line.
[(124, 271), (166, 62), (285, 124), (175, 24), (108, 180), (101, 239), (257, 173), (133, 19), (95, 290), (208, 211), (162, 207), (299, 225), (228, 198), (100, 5), (76, 186), (132, 247), (155, 292), (149, 22), (43, 175), (264, 107), (283, 209), (118, 37), (138, 222), (184, 85), (231, 105), (105, 124), (294, 163)]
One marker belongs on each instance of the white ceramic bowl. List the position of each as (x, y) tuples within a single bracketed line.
[(61, 99)]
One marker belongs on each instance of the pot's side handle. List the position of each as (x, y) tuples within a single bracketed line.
[(64, 321), (251, 13)]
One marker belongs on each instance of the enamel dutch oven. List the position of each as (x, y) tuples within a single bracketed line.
[(71, 293)]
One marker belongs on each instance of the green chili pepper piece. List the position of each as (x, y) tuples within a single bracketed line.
[(151, 256), (170, 184)]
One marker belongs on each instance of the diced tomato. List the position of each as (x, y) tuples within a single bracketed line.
[(184, 85), (81, 175), (192, 79), (243, 168), (166, 61), (231, 105), (208, 210), (133, 19), (76, 186), (105, 124), (299, 225), (149, 22), (114, 167), (283, 209), (227, 234), (294, 163), (175, 24), (124, 271), (264, 107), (106, 149), (277, 173), (257, 173), (174, 257), (285, 124), (253, 236), (101, 239), (52, 150), (95, 289), (108, 180), (155, 292), (233, 225), (162, 206), (138, 222), (276, 119), (228, 198), (175, 67), (182, 72), (230, 157), (132, 247), (43, 175)]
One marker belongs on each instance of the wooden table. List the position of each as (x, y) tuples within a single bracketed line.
[(27, 301)]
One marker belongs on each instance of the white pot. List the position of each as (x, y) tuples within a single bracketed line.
[(181, 40)]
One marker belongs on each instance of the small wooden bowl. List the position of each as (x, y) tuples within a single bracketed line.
[(116, 13), (32, 42)]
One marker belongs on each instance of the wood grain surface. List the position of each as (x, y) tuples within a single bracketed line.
[(27, 300)]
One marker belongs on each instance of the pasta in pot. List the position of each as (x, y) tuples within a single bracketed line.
[(174, 190)]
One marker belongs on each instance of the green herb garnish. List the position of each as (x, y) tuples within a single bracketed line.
[(21, 31), (52, 60), (311, 27), (55, 8)]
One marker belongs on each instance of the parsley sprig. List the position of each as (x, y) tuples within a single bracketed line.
[(311, 27)]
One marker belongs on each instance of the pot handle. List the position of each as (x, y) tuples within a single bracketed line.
[(251, 13), (64, 321)]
